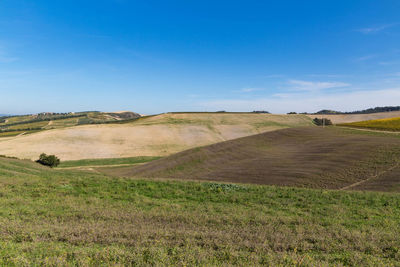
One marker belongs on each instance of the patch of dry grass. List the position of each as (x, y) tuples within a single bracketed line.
[(152, 136)]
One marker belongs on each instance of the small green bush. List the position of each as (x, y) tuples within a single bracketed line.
[(48, 160)]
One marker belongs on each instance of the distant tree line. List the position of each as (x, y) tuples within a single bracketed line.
[(365, 111), (328, 112), (261, 111), (20, 130), (376, 110), (125, 115)]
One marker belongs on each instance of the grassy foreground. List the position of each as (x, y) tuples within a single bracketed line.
[(50, 217)]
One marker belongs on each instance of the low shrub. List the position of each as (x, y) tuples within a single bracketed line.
[(48, 160)]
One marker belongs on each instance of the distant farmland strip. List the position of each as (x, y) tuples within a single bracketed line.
[(39, 120), (391, 124)]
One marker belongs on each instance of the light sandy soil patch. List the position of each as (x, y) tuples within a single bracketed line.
[(346, 118), (155, 136)]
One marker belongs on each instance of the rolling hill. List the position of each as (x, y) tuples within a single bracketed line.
[(312, 157), (159, 135)]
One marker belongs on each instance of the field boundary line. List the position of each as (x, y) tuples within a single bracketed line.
[(98, 166), (370, 178), (368, 130)]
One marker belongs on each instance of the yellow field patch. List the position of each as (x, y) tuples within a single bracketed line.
[(391, 124)]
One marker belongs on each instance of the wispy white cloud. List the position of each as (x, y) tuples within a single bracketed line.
[(309, 102), (328, 75), (376, 29), (5, 58), (315, 86), (274, 76), (392, 74), (251, 89), (366, 57), (388, 63)]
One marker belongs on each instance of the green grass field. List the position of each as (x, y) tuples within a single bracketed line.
[(53, 217), (105, 162), (18, 132)]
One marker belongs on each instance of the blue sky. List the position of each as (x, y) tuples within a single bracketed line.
[(159, 56)]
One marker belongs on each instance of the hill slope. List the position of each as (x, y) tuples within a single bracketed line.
[(347, 118), (70, 218), (391, 124), (308, 157), (15, 125), (151, 136)]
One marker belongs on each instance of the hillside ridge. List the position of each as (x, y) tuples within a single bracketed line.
[(307, 157)]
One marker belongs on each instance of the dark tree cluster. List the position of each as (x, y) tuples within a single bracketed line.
[(260, 111), (48, 160), (322, 122), (5, 130), (328, 111)]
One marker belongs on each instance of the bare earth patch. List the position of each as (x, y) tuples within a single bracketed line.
[(313, 157)]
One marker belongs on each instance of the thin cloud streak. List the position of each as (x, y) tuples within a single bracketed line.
[(376, 29), (5, 58), (251, 89), (283, 103), (300, 85), (367, 57)]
